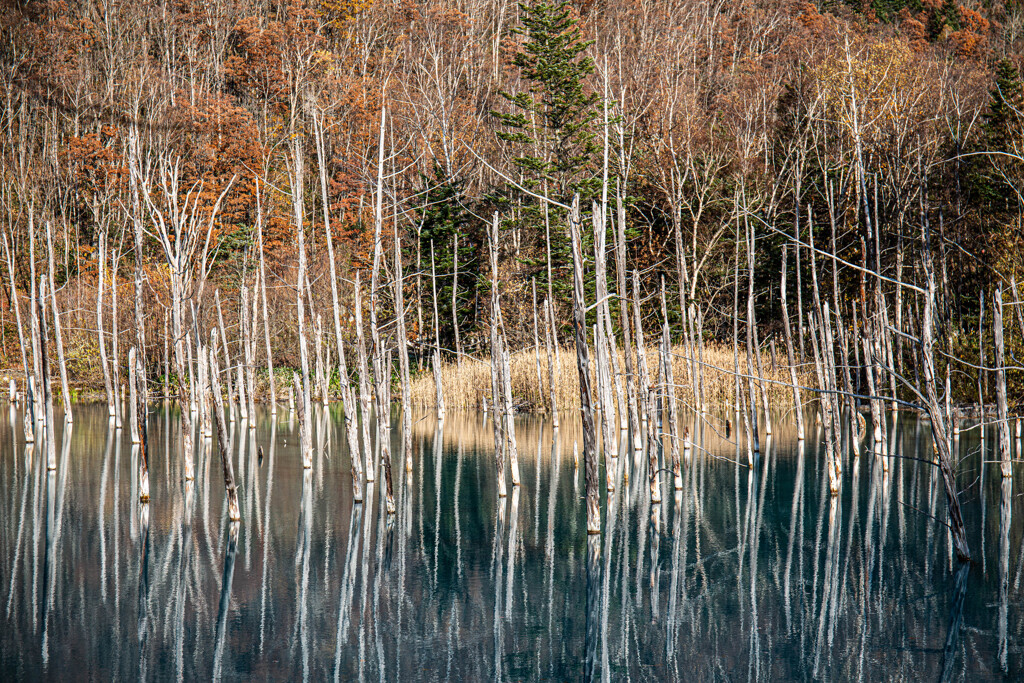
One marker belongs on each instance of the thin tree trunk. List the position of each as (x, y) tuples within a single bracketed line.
[(222, 442), (548, 325), (381, 361), (364, 383), (940, 434), (47, 394), (497, 362), (507, 408), (1003, 414), (790, 356), (142, 415), (115, 361), (29, 407), (583, 367), (57, 331), (266, 316), (536, 343), (101, 265), (455, 301), (670, 392), (622, 291), (403, 353)]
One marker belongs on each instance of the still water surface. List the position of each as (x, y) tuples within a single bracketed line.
[(745, 574)]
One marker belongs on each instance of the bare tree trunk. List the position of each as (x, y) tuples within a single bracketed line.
[(305, 415), (250, 355), (101, 267), (47, 394), (641, 354), (653, 442), (583, 367), (115, 360), (536, 342), (507, 408), (455, 301), (437, 339), (57, 332), (790, 356), (670, 392), (318, 345), (364, 384), (39, 409), (548, 325), (381, 361), (222, 442), (608, 441), (753, 363), (348, 398), (266, 316), (497, 362), (403, 353), (621, 287), (940, 435), (133, 397), (22, 345), (142, 415), (1003, 414)]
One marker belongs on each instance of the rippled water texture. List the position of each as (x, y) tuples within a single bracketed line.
[(743, 574)]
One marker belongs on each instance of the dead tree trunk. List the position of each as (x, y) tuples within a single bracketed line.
[(583, 367), (22, 344), (403, 353), (364, 384), (1003, 414), (47, 393), (940, 434), (497, 363), (58, 336), (670, 392), (222, 441), (100, 270), (548, 325), (790, 356)]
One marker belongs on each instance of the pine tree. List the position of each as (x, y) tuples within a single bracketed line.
[(552, 123), (1002, 134), (556, 115)]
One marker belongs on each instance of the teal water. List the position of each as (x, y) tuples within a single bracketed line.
[(745, 574)]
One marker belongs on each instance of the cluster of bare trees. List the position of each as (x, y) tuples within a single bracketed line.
[(286, 154)]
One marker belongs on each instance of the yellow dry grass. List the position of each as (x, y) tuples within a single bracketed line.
[(465, 386)]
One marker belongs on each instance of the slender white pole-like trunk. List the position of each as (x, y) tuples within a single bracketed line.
[(22, 344), (101, 266), (403, 352), (364, 383), (58, 335), (583, 367), (46, 390)]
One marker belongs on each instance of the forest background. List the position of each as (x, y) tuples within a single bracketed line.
[(243, 124)]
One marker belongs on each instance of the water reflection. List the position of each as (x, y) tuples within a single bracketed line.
[(743, 572)]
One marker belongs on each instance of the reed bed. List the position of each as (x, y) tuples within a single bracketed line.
[(467, 386)]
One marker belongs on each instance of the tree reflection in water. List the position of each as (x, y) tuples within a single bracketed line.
[(746, 572)]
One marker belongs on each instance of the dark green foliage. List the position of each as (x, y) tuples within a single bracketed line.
[(556, 114), (443, 217), (994, 173), (551, 127)]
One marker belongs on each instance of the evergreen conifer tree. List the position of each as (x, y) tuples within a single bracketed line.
[(552, 123)]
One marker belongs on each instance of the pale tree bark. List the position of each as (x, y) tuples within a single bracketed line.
[(583, 367)]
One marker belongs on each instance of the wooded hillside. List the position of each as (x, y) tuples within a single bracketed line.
[(837, 130)]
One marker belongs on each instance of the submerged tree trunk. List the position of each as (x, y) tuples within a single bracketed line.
[(940, 433), (1003, 414), (58, 336), (583, 367), (222, 441)]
